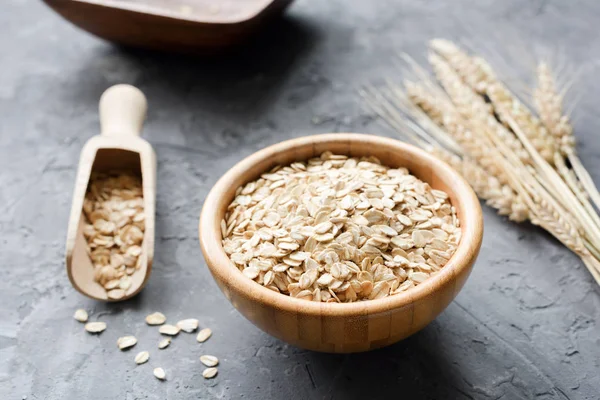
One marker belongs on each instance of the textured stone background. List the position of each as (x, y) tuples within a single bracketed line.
[(525, 326)]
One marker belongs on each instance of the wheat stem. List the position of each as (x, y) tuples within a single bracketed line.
[(381, 106), (549, 103), (561, 190), (585, 178), (575, 186), (423, 114), (542, 147), (593, 266)]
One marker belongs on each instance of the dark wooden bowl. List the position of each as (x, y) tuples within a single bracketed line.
[(345, 327), (143, 23)]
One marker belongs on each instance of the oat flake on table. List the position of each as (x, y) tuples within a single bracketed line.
[(95, 327), (339, 229), (209, 361), (170, 330), (160, 374), (188, 325), (204, 335), (210, 373), (126, 342), (142, 357), (156, 318), (81, 315)]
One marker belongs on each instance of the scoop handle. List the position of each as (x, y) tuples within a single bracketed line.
[(122, 111)]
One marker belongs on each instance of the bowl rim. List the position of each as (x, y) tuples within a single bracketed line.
[(156, 11), (220, 266)]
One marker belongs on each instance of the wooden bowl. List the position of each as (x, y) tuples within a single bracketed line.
[(344, 327), (168, 25)]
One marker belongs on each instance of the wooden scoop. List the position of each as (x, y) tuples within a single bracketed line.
[(118, 147)]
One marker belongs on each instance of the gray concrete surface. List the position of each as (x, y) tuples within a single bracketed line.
[(524, 327)]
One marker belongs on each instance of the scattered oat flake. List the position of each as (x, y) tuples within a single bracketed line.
[(81, 315), (203, 335), (188, 325), (95, 327), (209, 373), (170, 330), (159, 373), (142, 357), (163, 344), (209, 361), (126, 342), (156, 318)]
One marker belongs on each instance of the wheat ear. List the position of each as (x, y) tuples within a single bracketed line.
[(489, 188), (477, 112), (488, 149), (480, 164), (532, 135), (539, 206), (469, 103), (479, 75), (453, 125), (473, 71), (549, 104), (498, 196)]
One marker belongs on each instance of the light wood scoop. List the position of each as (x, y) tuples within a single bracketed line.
[(118, 147)]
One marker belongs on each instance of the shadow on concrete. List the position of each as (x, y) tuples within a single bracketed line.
[(239, 83), (415, 368)]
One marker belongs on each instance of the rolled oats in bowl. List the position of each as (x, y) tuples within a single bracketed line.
[(339, 229)]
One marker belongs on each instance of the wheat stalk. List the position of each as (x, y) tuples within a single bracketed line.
[(539, 208), (486, 185), (483, 174), (479, 75), (549, 105), (453, 125), (533, 136), (472, 70), (513, 160), (470, 104), (506, 105), (478, 113)]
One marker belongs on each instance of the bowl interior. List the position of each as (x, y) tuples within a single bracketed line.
[(391, 153)]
